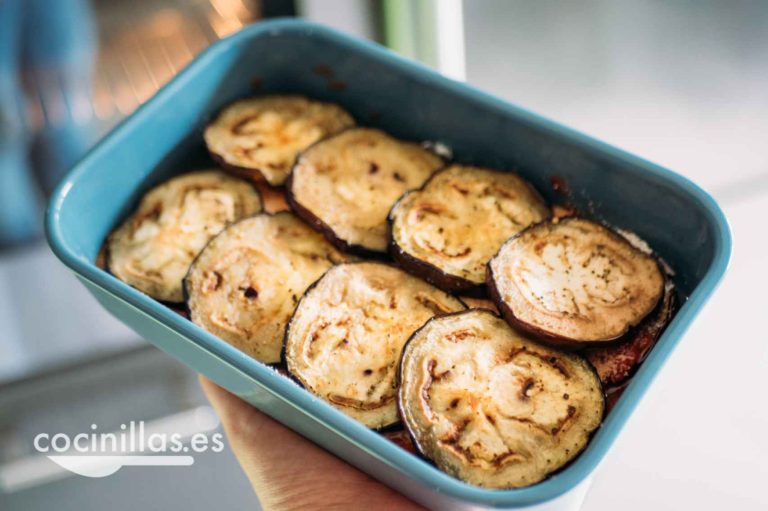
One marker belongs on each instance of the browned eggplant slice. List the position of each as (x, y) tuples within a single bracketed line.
[(246, 283), (492, 407), (261, 136), (574, 282), (153, 248), (447, 231), (617, 362), (344, 340), (346, 184)]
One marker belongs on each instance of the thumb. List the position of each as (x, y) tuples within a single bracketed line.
[(288, 471)]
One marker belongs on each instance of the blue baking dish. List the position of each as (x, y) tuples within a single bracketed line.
[(164, 137)]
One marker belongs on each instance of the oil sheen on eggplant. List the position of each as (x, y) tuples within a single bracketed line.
[(492, 407), (246, 283), (447, 231), (345, 185), (261, 136), (153, 248), (574, 282), (345, 338)]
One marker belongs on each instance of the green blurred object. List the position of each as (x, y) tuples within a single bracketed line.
[(429, 31), (409, 29)]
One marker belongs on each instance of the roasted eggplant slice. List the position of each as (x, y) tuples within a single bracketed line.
[(447, 231), (246, 283), (491, 407), (344, 340), (345, 185), (153, 248), (616, 363), (261, 136), (574, 282)]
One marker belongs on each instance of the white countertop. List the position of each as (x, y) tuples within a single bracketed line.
[(685, 85), (698, 438)]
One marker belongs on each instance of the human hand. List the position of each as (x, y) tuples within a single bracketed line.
[(288, 471)]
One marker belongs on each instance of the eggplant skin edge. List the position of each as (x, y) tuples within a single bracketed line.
[(316, 223), (432, 274), (280, 363), (253, 175), (542, 335), (469, 309), (319, 225), (554, 340), (184, 285), (284, 360), (429, 272), (421, 451), (423, 269), (186, 295), (104, 255)]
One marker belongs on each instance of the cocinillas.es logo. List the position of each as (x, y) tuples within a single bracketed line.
[(172, 441)]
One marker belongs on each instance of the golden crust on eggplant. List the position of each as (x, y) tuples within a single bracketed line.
[(574, 281), (153, 248), (492, 407), (447, 231), (261, 136), (345, 185), (345, 338), (245, 284)]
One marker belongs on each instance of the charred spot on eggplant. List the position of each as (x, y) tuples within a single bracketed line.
[(617, 362), (240, 288), (153, 249), (345, 338), (574, 282), (487, 404), (447, 231), (260, 137), (345, 185)]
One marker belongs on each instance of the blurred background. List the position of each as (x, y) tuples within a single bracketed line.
[(682, 83)]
